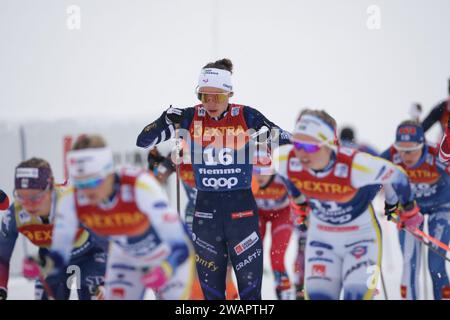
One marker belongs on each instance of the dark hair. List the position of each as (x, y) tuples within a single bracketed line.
[(224, 64), (347, 134), (87, 141), (322, 114)]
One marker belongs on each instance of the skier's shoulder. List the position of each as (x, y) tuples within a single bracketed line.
[(388, 154), (366, 163), (149, 192)]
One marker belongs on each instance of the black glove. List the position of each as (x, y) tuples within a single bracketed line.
[(3, 294), (448, 124), (154, 158), (390, 210), (174, 115), (303, 227)]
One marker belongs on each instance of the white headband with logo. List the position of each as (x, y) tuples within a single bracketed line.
[(317, 128), (215, 78), (90, 162)]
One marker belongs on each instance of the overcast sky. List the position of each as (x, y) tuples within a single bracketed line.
[(134, 58)]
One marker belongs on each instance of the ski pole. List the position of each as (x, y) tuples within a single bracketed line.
[(421, 236), (23, 147), (383, 284), (177, 169), (433, 240), (430, 246), (424, 255)]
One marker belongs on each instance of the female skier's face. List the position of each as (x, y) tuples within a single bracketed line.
[(36, 202), (214, 100), (101, 192), (311, 152), (410, 152)]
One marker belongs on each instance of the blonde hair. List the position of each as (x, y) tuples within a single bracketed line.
[(87, 141), (322, 114)]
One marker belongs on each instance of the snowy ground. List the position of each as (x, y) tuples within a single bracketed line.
[(22, 289)]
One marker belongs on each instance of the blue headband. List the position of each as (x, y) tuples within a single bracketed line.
[(33, 178), (410, 133)]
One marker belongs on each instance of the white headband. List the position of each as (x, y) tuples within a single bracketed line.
[(90, 162), (317, 128), (215, 78)]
